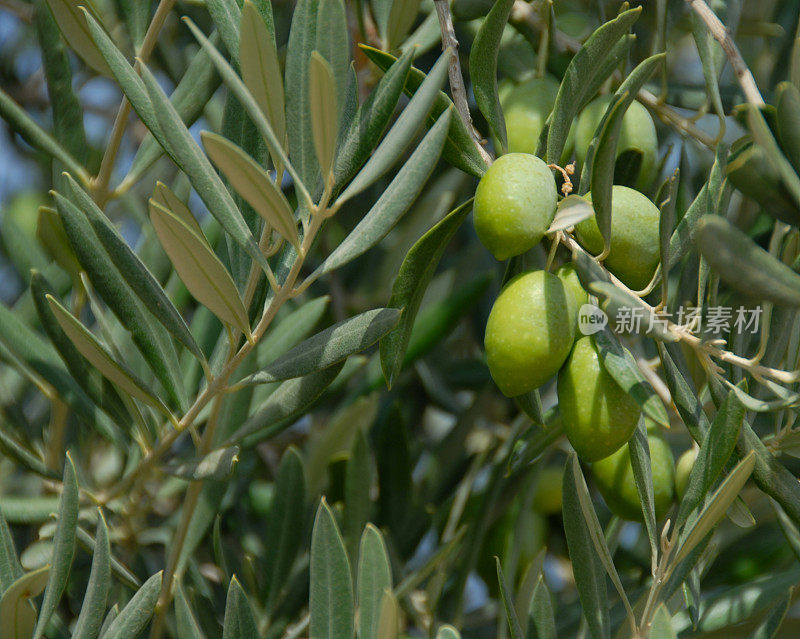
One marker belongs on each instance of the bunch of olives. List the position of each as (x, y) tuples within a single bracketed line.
[(532, 329)]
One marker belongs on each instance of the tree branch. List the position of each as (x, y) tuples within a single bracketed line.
[(456, 78)]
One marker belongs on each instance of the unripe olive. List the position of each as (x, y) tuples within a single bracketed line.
[(599, 417), (614, 478), (576, 295), (529, 332), (682, 471), (515, 203), (547, 493), (638, 134), (634, 251)]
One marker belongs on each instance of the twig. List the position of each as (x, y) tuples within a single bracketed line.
[(668, 113), (721, 34), (456, 79)]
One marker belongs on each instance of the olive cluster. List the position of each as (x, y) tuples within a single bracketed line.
[(532, 331)]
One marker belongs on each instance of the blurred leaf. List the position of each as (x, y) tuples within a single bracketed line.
[(134, 617), (515, 630), (706, 45), (254, 184), (358, 483), (17, 614), (329, 346), (483, 68), (93, 608), (323, 118), (261, 70), (240, 621), (134, 272), (666, 202), (287, 515), (67, 14), (621, 365), (788, 107), (584, 75), (199, 268), (410, 285), (63, 547), (448, 632), (403, 132), (459, 148), (661, 627), (10, 569), (186, 621), (118, 569), (218, 464), (762, 134), (374, 580), (715, 508), (639, 452), (541, 620), (331, 600), (571, 210), (19, 121), (590, 577), (683, 395), (716, 449), (770, 625), (744, 265), (88, 346), (393, 202)]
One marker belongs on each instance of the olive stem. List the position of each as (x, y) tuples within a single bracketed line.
[(456, 78), (721, 34)]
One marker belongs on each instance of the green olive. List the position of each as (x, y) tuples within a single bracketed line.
[(599, 417), (614, 478), (638, 134), (515, 203), (529, 332), (547, 491), (635, 251), (576, 295), (682, 471)]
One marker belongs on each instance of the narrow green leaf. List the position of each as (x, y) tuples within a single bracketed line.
[(374, 579), (541, 619), (118, 569), (515, 630), (17, 614), (113, 613), (288, 402), (769, 626), (389, 618), (63, 547), (329, 346), (410, 284), (716, 506), (483, 68), (287, 515), (199, 268), (227, 18), (571, 210), (166, 198), (261, 70), (240, 621), (706, 49), (371, 119), (393, 202), (590, 578), (358, 482), (404, 130), (194, 163), (135, 273), (186, 621), (744, 265), (621, 365), (459, 148), (788, 107), (333, 43), (331, 602), (683, 395), (661, 628), (639, 451), (253, 183), (93, 608), (72, 24), (10, 569), (88, 346), (716, 449), (666, 225), (583, 76), (218, 464), (154, 345), (324, 123), (133, 618), (19, 120)]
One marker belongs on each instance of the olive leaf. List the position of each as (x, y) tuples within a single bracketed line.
[(323, 117)]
